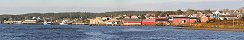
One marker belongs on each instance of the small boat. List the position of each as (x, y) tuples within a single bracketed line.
[(63, 22), (47, 23)]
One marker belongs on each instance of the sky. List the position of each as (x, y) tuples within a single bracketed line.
[(46, 6)]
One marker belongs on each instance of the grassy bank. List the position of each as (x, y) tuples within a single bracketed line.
[(236, 25)]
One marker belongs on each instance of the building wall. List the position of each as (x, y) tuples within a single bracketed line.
[(180, 20), (228, 18), (193, 20), (241, 11), (162, 22), (204, 19), (131, 23), (29, 22), (96, 21), (149, 22)]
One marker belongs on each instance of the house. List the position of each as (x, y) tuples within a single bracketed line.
[(204, 19), (228, 17), (134, 17), (162, 21), (106, 18), (132, 21), (170, 19), (113, 21), (148, 22), (126, 17), (241, 10), (12, 22), (29, 22), (177, 15), (198, 14), (181, 20), (215, 15), (97, 20)]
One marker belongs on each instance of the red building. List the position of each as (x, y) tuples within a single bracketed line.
[(162, 21), (133, 21), (148, 22), (183, 20), (204, 19), (193, 20)]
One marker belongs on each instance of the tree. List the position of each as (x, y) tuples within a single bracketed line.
[(158, 13), (179, 11)]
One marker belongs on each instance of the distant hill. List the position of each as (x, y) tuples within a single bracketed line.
[(242, 8)]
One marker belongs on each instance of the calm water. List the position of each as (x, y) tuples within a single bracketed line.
[(79, 32)]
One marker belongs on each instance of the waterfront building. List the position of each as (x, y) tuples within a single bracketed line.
[(228, 17), (193, 20), (12, 22), (126, 17), (97, 20), (170, 19), (181, 20), (204, 19), (162, 21), (134, 17), (148, 22), (241, 10), (132, 21), (106, 18), (113, 21), (29, 22)]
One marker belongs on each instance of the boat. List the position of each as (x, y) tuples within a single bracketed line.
[(47, 23), (63, 23)]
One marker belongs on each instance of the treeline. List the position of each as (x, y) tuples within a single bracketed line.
[(92, 15), (73, 15)]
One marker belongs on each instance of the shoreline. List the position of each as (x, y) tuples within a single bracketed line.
[(190, 27), (214, 29)]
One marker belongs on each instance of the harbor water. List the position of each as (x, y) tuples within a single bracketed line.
[(83, 32)]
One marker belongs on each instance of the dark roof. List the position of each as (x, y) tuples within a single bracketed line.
[(228, 15), (132, 19), (148, 20), (193, 18), (162, 19), (181, 17)]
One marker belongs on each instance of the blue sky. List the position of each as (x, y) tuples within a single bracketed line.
[(44, 6)]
